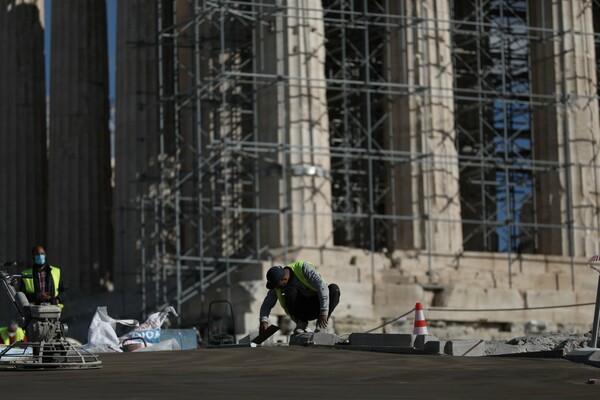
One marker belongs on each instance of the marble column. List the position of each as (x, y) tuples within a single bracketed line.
[(566, 127), (425, 186), (136, 135), (79, 203), (23, 153), (292, 116)]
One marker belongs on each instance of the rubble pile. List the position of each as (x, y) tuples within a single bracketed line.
[(551, 342)]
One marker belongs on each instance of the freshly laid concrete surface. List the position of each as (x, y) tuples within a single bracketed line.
[(295, 372)]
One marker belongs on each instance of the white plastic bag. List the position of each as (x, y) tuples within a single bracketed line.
[(149, 331), (101, 334)]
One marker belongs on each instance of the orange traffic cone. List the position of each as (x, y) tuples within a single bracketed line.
[(420, 327)]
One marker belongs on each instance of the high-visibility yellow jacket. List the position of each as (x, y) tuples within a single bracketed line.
[(4, 336), (297, 269), (30, 286)]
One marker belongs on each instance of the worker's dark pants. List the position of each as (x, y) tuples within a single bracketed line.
[(305, 308)]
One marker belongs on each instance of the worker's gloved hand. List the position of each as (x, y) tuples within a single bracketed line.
[(263, 326), (322, 321), (44, 297)]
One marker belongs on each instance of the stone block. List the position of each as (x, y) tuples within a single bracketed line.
[(392, 300), (316, 339), (341, 275), (440, 276), (422, 340), (465, 348), (395, 276), (347, 325), (562, 265), (413, 269), (534, 298), (381, 339), (461, 297), (359, 263), (325, 339), (529, 265), (503, 280), (586, 296), (492, 262), (527, 281), (563, 281), (435, 347), (406, 260), (586, 280), (376, 265), (302, 339), (476, 277), (336, 265), (355, 301)]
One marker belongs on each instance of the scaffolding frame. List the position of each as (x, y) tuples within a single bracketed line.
[(205, 219)]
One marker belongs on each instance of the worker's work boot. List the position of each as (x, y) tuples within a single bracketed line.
[(301, 327)]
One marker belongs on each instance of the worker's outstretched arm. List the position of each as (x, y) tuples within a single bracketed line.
[(265, 309)]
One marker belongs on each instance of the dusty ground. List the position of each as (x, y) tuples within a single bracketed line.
[(308, 373)]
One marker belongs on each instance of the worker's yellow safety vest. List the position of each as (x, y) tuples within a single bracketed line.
[(19, 335), (297, 269), (29, 287)]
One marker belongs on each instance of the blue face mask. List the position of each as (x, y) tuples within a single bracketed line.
[(40, 259)]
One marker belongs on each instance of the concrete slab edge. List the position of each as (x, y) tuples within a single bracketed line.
[(586, 355)]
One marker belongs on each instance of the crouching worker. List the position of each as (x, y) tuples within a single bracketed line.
[(302, 294), (12, 334)]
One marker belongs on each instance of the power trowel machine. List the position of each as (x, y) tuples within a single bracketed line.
[(47, 346)]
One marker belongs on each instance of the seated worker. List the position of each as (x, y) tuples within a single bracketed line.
[(12, 333), (302, 294), (44, 284)]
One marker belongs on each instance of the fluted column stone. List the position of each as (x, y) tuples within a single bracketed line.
[(566, 126), (79, 204), (425, 191), (23, 155), (136, 136), (293, 115)]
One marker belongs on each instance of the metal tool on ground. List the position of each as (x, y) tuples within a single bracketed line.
[(264, 335), (594, 263), (47, 346)]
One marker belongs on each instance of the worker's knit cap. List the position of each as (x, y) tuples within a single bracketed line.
[(274, 275)]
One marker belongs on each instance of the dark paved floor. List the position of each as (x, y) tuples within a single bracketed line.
[(307, 373)]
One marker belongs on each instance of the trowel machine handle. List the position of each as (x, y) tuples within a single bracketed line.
[(6, 276), (11, 278), (18, 299)]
